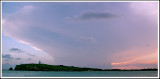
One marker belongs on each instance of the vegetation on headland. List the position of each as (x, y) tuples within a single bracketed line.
[(45, 67)]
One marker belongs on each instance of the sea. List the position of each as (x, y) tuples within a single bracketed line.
[(7, 73)]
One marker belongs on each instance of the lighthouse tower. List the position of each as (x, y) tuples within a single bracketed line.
[(39, 62)]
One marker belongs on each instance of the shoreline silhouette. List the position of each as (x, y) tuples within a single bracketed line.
[(46, 67)]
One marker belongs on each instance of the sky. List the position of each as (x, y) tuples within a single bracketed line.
[(106, 35)]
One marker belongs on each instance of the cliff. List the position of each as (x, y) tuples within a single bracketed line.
[(45, 67)]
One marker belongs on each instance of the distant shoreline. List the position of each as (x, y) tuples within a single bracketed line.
[(45, 67)]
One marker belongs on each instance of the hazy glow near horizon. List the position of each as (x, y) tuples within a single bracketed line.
[(101, 35)]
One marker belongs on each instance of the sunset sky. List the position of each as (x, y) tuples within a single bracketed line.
[(121, 35)]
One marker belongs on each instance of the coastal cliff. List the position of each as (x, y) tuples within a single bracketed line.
[(45, 67)]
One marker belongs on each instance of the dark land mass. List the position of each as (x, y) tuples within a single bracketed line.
[(10, 68), (45, 67)]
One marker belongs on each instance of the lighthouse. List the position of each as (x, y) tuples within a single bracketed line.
[(39, 62)]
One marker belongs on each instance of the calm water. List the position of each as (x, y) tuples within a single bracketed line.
[(7, 73)]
